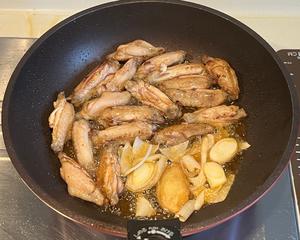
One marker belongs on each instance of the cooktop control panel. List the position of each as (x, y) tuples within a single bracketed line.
[(291, 59)]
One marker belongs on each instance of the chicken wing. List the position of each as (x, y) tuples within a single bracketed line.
[(108, 174), (126, 73), (158, 76), (83, 146), (217, 116), (93, 108), (224, 74), (85, 88), (159, 63), (197, 98), (122, 133), (152, 96), (120, 114), (137, 48), (61, 120), (176, 134), (187, 82), (79, 182)]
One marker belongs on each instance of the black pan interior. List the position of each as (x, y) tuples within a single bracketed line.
[(63, 56)]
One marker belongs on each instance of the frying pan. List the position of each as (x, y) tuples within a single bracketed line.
[(61, 58)]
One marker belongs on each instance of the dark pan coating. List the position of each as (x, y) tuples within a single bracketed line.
[(63, 56)]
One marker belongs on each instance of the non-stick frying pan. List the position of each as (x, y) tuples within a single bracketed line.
[(61, 58)]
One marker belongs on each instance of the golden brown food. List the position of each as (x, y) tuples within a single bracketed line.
[(187, 82), (217, 116), (79, 182), (61, 120), (121, 114), (83, 146), (85, 88), (159, 63), (122, 133), (152, 96), (108, 173), (172, 190), (124, 74), (136, 48), (197, 98), (158, 76), (176, 134), (93, 108), (133, 151), (224, 74)]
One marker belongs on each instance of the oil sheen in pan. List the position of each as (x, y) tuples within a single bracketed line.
[(126, 205)]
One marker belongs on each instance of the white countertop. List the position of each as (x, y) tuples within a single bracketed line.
[(277, 21)]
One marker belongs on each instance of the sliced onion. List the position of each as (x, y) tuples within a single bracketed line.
[(126, 158), (134, 157), (224, 150), (140, 148), (199, 180), (207, 143), (144, 208), (220, 193), (186, 211), (244, 146), (175, 153), (190, 166), (215, 174), (199, 201), (146, 175)]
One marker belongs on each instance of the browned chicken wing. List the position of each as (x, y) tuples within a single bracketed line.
[(224, 74), (187, 82), (197, 98), (85, 88), (61, 120), (158, 76), (93, 108), (159, 63), (137, 48), (126, 73), (152, 96), (79, 182), (108, 174), (217, 116), (176, 134), (120, 114), (83, 146), (122, 133)]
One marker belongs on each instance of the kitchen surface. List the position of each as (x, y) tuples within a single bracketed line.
[(24, 216)]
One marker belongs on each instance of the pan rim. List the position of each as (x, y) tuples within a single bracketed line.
[(121, 231)]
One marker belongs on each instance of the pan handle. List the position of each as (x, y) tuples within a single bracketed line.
[(154, 229)]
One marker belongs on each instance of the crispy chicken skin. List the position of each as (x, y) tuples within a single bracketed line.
[(79, 182), (136, 48), (158, 76), (93, 108), (83, 146), (121, 114), (180, 133), (197, 98), (159, 62), (187, 82), (224, 74), (85, 88), (217, 116), (108, 174), (122, 133), (124, 74), (152, 96), (61, 120)]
